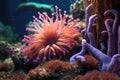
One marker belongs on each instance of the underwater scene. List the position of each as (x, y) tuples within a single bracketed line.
[(59, 40)]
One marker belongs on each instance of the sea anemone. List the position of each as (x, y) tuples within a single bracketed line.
[(50, 38)]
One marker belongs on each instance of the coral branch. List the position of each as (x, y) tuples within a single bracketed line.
[(82, 52), (110, 50), (115, 27), (103, 59), (87, 19), (114, 65), (89, 30)]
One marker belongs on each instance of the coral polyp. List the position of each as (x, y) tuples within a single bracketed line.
[(50, 38)]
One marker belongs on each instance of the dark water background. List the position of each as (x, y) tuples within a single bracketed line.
[(8, 17)]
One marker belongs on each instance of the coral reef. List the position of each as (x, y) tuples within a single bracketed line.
[(18, 60), (53, 70), (50, 39), (5, 50), (61, 70), (81, 25), (11, 76), (96, 75), (4, 75), (77, 10), (17, 76), (6, 67)]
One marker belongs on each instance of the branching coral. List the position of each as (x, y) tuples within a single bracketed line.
[(107, 63), (89, 30), (87, 10), (79, 55), (114, 30), (111, 61), (50, 39), (110, 38)]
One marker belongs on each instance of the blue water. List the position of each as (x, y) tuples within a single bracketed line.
[(8, 9)]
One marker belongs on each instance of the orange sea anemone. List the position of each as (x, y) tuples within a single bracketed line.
[(50, 39)]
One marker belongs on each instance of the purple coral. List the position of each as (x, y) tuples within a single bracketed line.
[(115, 27), (107, 63), (89, 30), (111, 61), (79, 55), (114, 65), (89, 7), (110, 50)]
